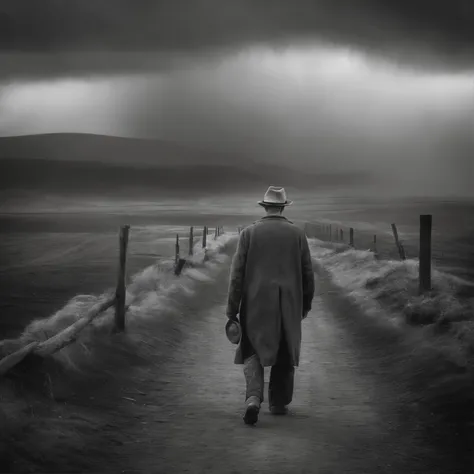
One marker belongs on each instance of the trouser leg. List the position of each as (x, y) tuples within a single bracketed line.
[(281, 385), (253, 372)]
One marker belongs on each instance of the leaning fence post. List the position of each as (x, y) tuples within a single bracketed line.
[(204, 235), (215, 234), (120, 293), (401, 250), (191, 240), (425, 253), (351, 237)]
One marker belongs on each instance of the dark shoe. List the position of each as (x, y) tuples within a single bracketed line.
[(278, 410), (252, 411)]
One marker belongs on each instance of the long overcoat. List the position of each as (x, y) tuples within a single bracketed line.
[(271, 287)]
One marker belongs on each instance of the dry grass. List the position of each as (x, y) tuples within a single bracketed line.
[(390, 289), (427, 341), (70, 413)]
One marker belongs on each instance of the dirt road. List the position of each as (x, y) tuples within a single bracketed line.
[(345, 418)]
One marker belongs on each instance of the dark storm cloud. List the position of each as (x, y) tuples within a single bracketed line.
[(427, 32)]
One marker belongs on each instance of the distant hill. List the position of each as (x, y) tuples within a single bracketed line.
[(106, 149), (84, 163), (86, 177)]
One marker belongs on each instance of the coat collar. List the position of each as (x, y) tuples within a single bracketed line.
[(276, 216)]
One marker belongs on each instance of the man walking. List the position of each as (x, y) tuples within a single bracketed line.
[(271, 289)]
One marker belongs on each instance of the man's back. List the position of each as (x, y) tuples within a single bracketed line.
[(274, 250)]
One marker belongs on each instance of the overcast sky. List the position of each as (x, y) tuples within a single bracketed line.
[(379, 85)]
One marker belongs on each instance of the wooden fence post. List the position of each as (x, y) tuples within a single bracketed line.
[(176, 253), (375, 243), (120, 292), (351, 237), (191, 240), (342, 235), (425, 253), (401, 250), (204, 236), (215, 233), (330, 232), (179, 266)]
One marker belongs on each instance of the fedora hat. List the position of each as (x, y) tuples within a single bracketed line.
[(275, 196), (233, 331)]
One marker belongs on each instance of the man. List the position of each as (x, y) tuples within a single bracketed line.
[(271, 289)]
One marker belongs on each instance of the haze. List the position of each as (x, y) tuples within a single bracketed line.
[(336, 100)]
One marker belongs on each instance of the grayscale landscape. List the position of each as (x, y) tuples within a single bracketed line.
[(174, 120)]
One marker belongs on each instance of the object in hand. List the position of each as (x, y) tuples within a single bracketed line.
[(233, 331)]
